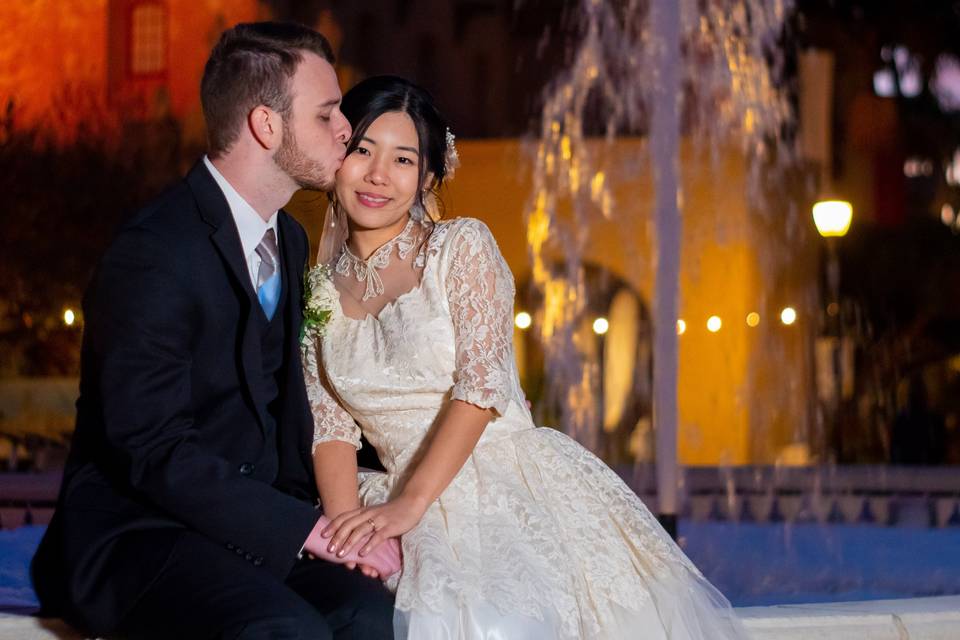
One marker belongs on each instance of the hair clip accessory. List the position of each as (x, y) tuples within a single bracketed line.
[(451, 160)]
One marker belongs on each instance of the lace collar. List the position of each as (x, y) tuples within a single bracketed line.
[(366, 270)]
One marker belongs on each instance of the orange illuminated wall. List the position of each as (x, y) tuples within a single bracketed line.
[(53, 61), (67, 61)]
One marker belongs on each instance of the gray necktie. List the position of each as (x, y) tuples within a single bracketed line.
[(268, 252), (268, 276)]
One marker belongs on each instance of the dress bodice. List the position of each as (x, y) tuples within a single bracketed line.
[(450, 337)]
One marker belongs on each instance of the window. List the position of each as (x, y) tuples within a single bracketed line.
[(148, 39)]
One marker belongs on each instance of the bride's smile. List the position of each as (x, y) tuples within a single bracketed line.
[(371, 200)]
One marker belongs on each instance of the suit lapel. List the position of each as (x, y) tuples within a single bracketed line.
[(226, 239)]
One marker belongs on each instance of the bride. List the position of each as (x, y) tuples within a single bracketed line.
[(508, 531)]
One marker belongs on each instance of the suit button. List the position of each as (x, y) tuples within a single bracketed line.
[(247, 468), (257, 561), (249, 557), (238, 551), (230, 546)]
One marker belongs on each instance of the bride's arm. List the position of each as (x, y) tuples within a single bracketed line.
[(336, 438), (335, 469), (456, 435), (335, 442), (480, 292)]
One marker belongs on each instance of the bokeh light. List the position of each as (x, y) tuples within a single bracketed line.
[(714, 323), (601, 326)]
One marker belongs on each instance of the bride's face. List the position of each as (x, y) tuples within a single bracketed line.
[(377, 183)]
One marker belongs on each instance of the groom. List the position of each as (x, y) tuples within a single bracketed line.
[(188, 493)]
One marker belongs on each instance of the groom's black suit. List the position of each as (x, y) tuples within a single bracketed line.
[(190, 478)]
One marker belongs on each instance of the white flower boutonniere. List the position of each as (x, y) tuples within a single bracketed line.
[(319, 296)]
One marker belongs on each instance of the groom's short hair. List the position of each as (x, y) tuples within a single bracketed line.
[(251, 65)]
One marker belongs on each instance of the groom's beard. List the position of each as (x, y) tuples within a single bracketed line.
[(306, 172)]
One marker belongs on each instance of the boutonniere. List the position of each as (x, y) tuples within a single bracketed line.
[(319, 296)]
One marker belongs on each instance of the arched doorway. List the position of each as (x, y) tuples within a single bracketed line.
[(614, 338)]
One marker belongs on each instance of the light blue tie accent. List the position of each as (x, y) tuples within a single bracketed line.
[(268, 276), (269, 295)]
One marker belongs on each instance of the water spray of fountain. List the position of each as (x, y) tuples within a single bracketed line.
[(643, 69)]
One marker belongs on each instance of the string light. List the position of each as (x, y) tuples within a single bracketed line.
[(601, 326)]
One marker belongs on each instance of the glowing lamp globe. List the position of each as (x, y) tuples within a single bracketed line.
[(832, 217)]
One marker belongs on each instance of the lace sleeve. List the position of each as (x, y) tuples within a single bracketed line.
[(480, 292), (330, 420)]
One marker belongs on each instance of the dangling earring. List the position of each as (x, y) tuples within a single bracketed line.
[(417, 212), (331, 213)]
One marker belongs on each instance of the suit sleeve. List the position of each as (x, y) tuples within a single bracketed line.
[(142, 323)]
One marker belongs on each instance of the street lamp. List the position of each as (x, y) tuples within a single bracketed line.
[(832, 218)]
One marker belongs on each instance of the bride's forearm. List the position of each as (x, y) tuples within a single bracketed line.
[(456, 435), (335, 469)]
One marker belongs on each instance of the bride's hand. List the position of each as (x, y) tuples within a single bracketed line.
[(389, 520)]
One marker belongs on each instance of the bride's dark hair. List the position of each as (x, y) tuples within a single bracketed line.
[(368, 100)]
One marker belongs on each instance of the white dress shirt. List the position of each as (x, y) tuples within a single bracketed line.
[(249, 223)]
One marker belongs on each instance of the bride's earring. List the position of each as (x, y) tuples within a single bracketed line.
[(417, 211)]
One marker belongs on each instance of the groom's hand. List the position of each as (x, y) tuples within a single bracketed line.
[(383, 561), (366, 570)]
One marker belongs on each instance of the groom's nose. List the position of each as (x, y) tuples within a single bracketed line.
[(343, 129)]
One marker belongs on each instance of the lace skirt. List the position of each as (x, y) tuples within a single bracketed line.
[(537, 538)]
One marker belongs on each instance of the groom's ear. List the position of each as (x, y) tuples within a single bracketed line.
[(266, 125)]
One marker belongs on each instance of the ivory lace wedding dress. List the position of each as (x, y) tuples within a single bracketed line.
[(535, 538)]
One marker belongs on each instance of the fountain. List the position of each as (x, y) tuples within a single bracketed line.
[(707, 69)]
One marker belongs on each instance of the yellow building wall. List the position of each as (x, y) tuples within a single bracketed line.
[(743, 391)]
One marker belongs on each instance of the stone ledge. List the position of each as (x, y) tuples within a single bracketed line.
[(908, 619), (23, 627)]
